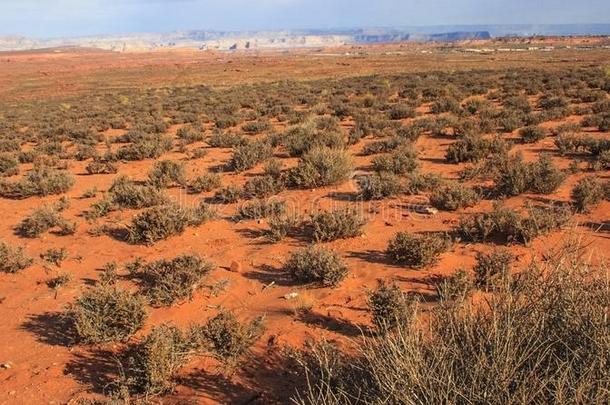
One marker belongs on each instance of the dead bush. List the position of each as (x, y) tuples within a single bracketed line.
[(260, 208), (13, 260), (493, 269), (532, 134)]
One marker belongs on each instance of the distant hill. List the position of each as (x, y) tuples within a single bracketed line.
[(230, 40)]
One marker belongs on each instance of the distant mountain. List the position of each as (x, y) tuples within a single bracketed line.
[(230, 40)]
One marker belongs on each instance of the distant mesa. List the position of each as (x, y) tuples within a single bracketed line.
[(237, 40)]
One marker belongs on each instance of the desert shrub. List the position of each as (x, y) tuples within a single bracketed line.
[(510, 120), (228, 338), (513, 176), (256, 127), (260, 208), (337, 224), (229, 194), (281, 226), (107, 314), (166, 173), (379, 186), (9, 165), (44, 219), (400, 161), (417, 182), (204, 183), (190, 134), (126, 193), (54, 256), (532, 134), (401, 111), (165, 282), (263, 186), (40, 181), (84, 152), (474, 148), (389, 307), (145, 148), (540, 335), (508, 225), (445, 104), (587, 192), (416, 250), (301, 139), (545, 177), (249, 155), (220, 139), (13, 260), (492, 268), (274, 168), (386, 145), (452, 196), (99, 166), (161, 222), (455, 287), (316, 265), (321, 167), (154, 362), (549, 102)]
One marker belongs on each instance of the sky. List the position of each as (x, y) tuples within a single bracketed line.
[(64, 18)]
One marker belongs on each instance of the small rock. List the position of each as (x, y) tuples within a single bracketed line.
[(12, 393), (291, 296), (235, 267), (6, 366)]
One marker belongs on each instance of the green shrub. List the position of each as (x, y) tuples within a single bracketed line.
[(263, 186), (532, 134), (166, 173), (401, 160), (474, 148), (511, 226), (455, 287), (513, 176), (165, 282), (389, 307), (337, 224), (9, 165), (155, 361), (452, 196), (229, 194), (205, 183), (379, 186), (383, 146), (220, 139), (416, 250), (161, 222), (587, 192), (145, 148), (493, 268), (190, 134), (13, 260), (321, 167), (545, 177), (259, 208), (401, 111), (301, 139), (99, 166), (316, 265), (55, 256), (40, 181), (126, 193), (106, 314), (227, 338), (249, 155), (42, 220)]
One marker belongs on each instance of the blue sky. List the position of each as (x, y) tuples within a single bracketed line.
[(53, 18)]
